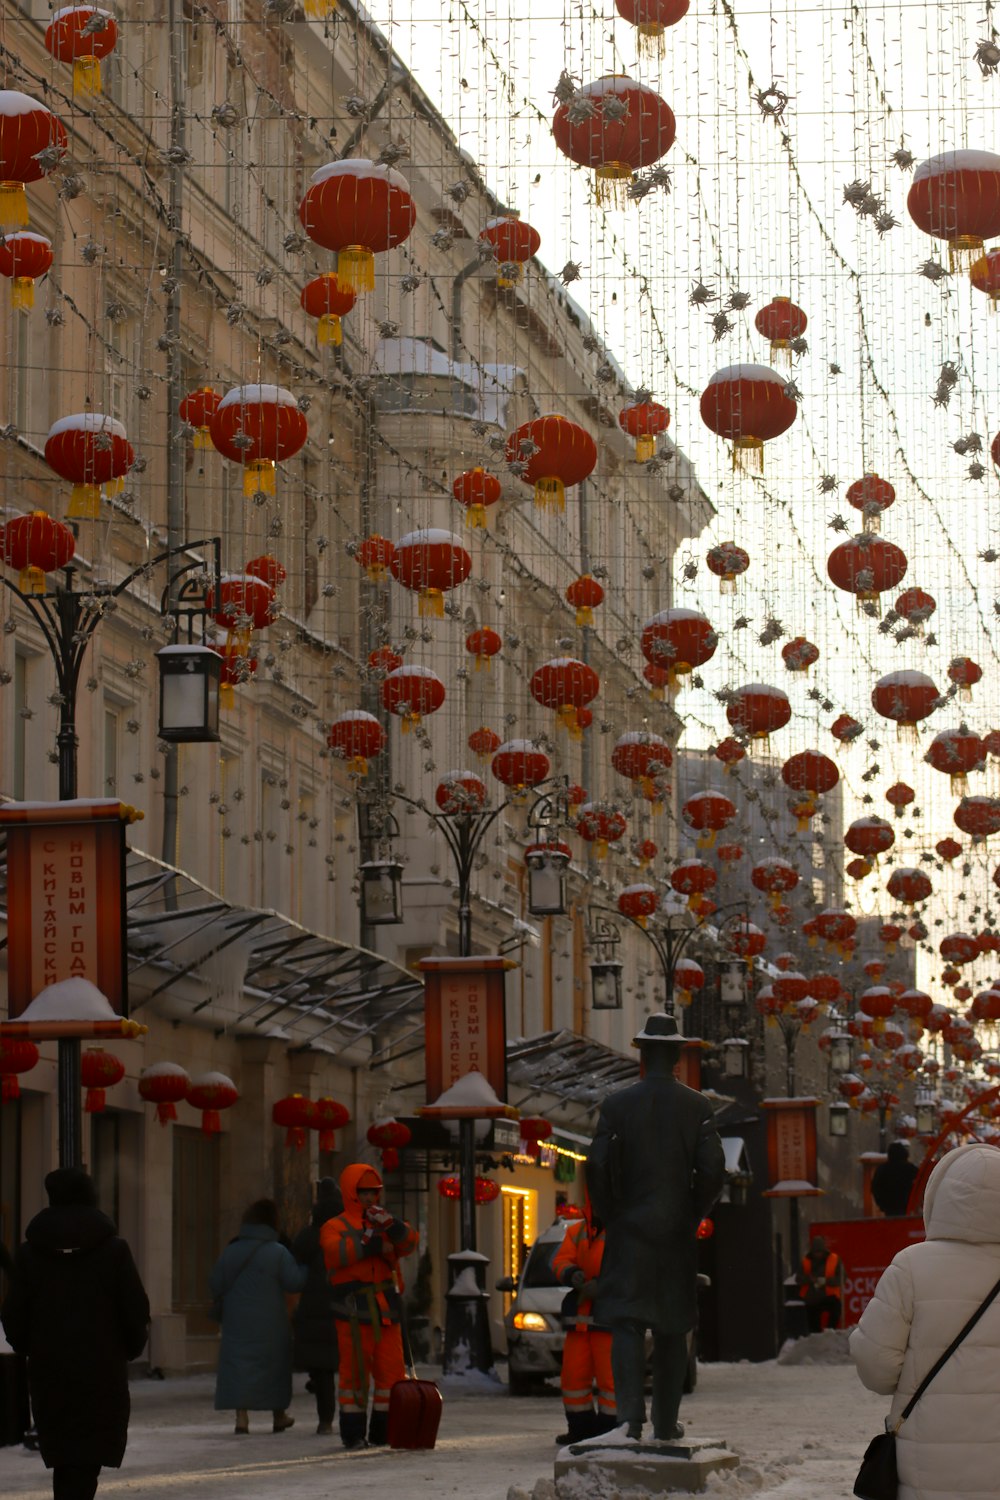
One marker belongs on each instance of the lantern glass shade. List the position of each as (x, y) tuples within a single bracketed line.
[(841, 1054), (926, 1117), (189, 693), (381, 892), (546, 884), (733, 983), (838, 1118), (734, 1057), (606, 984)]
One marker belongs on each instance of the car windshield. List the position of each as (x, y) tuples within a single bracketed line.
[(538, 1267)]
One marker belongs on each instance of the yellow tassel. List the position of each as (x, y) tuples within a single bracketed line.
[(694, 902), (356, 269), (227, 695), (651, 42), (431, 602), (475, 517), (601, 848), (611, 183), (376, 572), (872, 523), (566, 717), (330, 330), (483, 664), (31, 581), (959, 785), (656, 693), (645, 447), (86, 76), (748, 455), (781, 353), (516, 276), (585, 615), (675, 672), (13, 204), (84, 503), (706, 839), (409, 718), (258, 477), (684, 997), (22, 293), (550, 494), (727, 583), (319, 10), (358, 765), (963, 251), (203, 438)]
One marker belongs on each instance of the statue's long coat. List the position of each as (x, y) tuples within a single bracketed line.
[(654, 1169)]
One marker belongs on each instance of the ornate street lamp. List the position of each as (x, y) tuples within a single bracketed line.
[(381, 892), (926, 1112), (839, 1112), (735, 1050), (189, 693), (841, 1052), (547, 865), (606, 984)]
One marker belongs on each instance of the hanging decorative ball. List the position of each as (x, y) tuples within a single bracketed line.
[(915, 606), (24, 257), (780, 321), (730, 752), (485, 1190), (799, 654), (450, 1188), (866, 566), (845, 729), (430, 562), (727, 562), (747, 405), (585, 594), (390, 1136), (872, 496), (869, 837), (88, 450), (211, 1092), (359, 209), (27, 131), (513, 242), (708, 813), (197, 409), (294, 1114), (678, 640), (99, 1071), (651, 18), (330, 1117), (614, 126), (644, 421), (565, 685), (460, 793), (475, 490), (375, 554), (82, 35), (551, 454), (357, 737), (899, 796), (411, 693), (908, 886), (948, 849), (17, 1055), (638, 902), (164, 1084), (757, 710), (36, 544), (258, 426), (956, 197), (533, 1132), (484, 742), (483, 645), (326, 299), (905, 697), (600, 825), (519, 765), (956, 752), (978, 816), (965, 673), (984, 274)]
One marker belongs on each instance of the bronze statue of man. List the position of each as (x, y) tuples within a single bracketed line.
[(655, 1167)]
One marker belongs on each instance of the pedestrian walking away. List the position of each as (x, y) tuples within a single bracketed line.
[(78, 1310), (249, 1282), (821, 1289), (362, 1248), (586, 1358), (315, 1341), (892, 1181), (948, 1448)]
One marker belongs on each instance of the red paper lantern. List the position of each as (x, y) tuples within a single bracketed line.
[(727, 562), (164, 1084), (36, 544), (899, 796), (27, 128), (375, 554), (658, 678), (835, 926), (585, 594), (384, 660), (390, 1136), (679, 640), (774, 877), (730, 752), (708, 813), (872, 496), (88, 449), (959, 948), (514, 242), (258, 426), (566, 685), (518, 764), (99, 1071), (533, 1132), (845, 729), (810, 771), (799, 654), (600, 825), (758, 710), (978, 816), (638, 902), (780, 321), (411, 693), (17, 1055), (24, 257), (651, 18), (450, 1188), (268, 569), (693, 878), (747, 405), (244, 605), (956, 752), (984, 274), (908, 886), (197, 409), (729, 854), (746, 940), (869, 837), (460, 793), (330, 1117), (326, 299), (430, 562), (916, 606), (688, 977), (890, 933), (858, 869), (356, 737), (905, 697), (484, 742), (294, 1115), (357, 208), (644, 421), (956, 197), (866, 566), (483, 644), (790, 988), (475, 490), (646, 851), (641, 755), (211, 1092), (636, 132), (948, 849), (551, 454), (485, 1190), (965, 673), (82, 35)]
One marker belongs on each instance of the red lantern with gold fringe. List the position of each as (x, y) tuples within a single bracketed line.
[(197, 410), (747, 405), (476, 490), (644, 420), (390, 1136), (359, 209), (82, 35), (551, 454), (258, 427), (164, 1084), (27, 129), (872, 496), (36, 544), (430, 562), (411, 693), (294, 1114), (615, 142), (324, 298), (356, 737), (17, 1055), (331, 1116), (211, 1093), (99, 1071), (24, 257)]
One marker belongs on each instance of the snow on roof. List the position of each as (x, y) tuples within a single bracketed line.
[(70, 1000), (493, 385), (469, 1091)]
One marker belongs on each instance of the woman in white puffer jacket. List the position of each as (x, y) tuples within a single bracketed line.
[(949, 1447)]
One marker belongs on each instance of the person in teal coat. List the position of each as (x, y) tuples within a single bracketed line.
[(249, 1282)]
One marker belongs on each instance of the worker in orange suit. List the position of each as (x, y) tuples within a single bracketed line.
[(586, 1357), (821, 1287), (362, 1248)]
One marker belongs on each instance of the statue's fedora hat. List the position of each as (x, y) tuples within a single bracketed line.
[(658, 1028)]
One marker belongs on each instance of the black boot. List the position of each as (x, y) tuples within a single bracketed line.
[(579, 1427), (605, 1421), (352, 1429), (378, 1429)]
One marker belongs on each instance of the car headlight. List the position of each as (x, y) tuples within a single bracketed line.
[(531, 1322)]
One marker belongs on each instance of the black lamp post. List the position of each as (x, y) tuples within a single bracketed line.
[(668, 938), (67, 618)]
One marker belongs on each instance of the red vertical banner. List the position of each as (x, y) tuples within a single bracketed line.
[(465, 1021), (65, 898), (791, 1148), (688, 1070)]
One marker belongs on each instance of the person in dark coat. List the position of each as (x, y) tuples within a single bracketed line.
[(893, 1180), (654, 1169), (315, 1347), (250, 1279), (78, 1310)]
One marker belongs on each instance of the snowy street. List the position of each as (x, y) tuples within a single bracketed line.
[(800, 1430)]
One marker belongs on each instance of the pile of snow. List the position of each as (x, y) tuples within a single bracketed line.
[(826, 1348), (69, 1000), (471, 1091)]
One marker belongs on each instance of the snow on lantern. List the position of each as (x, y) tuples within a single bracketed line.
[(790, 989), (730, 752), (24, 257), (460, 793), (484, 742), (258, 426), (27, 131), (518, 764), (164, 1084), (295, 1114), (905, 697), (644, 421), (958, 948), (483, 645), (908, 886), (411, 693), (799, 654), (244, 605), (357, 208), (330, 1117), (327, 300), (197, 410), (984, 274), (781, 323), (747, 405), (430, 562), (533, 1132), (688, 977), (846, 729), (956, 197), (88, 449), (551, 454), (99, 1071), (211, 1092), (915, 1003), (642, 756), (375, 554), (565, 685), (357, 737), (757, 710), (746, 940), (614, 126), (651, 19), (585, 594), (679, 640), (708, 813), (899, 796), (956, 752), (872, 496), (82, 35), (965, 673), (978, 816), (390, 1136), (866, 566), (600, 825), (916, 606), (835, 927), (727, 562), (513, 242), (475, 490), (36, 544), (17, 1055), (775, 877), (638, 902)]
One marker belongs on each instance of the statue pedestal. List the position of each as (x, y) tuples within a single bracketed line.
[(615, 1463)]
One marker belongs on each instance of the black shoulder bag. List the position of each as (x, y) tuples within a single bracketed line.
[(877, 1478)]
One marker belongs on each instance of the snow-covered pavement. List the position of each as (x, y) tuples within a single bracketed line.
[(799, 1429)]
